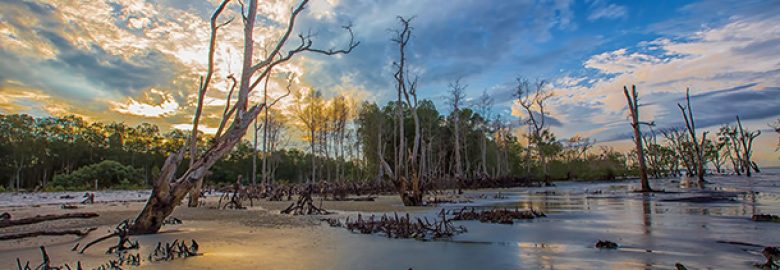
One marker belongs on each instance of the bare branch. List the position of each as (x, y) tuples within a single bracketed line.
[(204, 84), (228, 112)]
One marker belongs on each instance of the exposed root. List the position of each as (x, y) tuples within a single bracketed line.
[(402, 227), (46, 264), (124, 243), (176, 249), (501, 216), (305, 206)]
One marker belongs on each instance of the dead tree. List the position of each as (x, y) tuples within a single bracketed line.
[(456, 98), (698, 147), (746, 139), (633, 107), (533, 102), (406, 178), (484, 105), (168, 192)]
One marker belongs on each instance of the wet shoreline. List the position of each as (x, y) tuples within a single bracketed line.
[(654, 231)]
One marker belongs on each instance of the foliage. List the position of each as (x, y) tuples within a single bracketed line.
[(107, 174)]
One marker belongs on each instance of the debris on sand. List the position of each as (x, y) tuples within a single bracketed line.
[(772, 255), (69, 206), (766, 218), (76, 232), (122, 232), (501, 216), (403, 226), (89, 198), (172, 221), (6, 221), (45, 264), (333, 222), (604, 244), (305, 206), (702, 199), (176, 249)]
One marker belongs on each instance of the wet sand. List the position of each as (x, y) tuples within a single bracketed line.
[(654, 231)]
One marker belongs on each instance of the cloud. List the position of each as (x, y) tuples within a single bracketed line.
[(201, 127), (601, 10), (166, 107), (454, 39), (726, 67)]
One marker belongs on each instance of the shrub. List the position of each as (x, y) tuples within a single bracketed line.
[(108, 173)]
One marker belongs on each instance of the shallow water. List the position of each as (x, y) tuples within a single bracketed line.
[(652, 233)]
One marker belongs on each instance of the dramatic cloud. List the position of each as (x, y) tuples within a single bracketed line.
[(139, 61)]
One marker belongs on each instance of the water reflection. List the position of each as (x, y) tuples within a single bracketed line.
[(652, 233)]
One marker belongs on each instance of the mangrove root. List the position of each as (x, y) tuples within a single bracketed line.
[(403, 226), (501, 216), (176, 249), (45, 264)]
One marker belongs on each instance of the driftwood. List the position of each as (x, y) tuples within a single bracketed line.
[(45, 264), (403, 226), (501, 216), (305, 206), (124, 243), (172, 221), (766, 218), (89, 198), (8, 222), (12, 236), (772, 255), (606, 244)]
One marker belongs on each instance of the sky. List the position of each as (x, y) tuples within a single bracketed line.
[(138, 61)]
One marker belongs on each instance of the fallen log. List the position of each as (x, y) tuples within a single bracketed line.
[(765, 218), (41, 218), (11, 236)]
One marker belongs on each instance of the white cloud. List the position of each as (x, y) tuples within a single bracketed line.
[(610, 11), (166, 107), (201, 127), (735, 54)]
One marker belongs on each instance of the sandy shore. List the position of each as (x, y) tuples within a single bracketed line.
[(262, 214)]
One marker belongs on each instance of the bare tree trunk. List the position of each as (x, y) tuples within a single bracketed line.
[(747, 145), (633, 107), (691, 125), (168, 192)]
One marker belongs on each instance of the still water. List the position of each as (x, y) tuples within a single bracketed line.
[(653, 231)]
